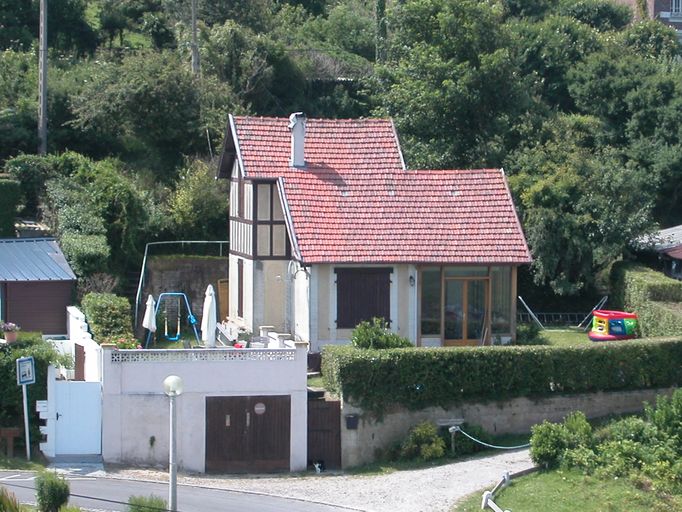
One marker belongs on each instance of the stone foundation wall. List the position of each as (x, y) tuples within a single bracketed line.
[(365, 444)]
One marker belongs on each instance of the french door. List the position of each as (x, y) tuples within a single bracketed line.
[(465, 310)]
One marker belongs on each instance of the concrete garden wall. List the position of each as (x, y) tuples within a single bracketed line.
[(365, 444)]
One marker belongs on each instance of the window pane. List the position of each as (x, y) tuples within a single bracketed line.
[(476, 305), (501, 290), (277, 207), (264, 202), (454, 309), (264, 240), (465, 271), (430, 303), (279, 240)]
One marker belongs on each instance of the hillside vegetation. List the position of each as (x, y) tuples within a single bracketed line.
[(581, 105)]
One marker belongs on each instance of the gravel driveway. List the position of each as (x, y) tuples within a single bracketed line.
[(433, 489)]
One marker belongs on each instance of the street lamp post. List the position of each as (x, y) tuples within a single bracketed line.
[(172, 386)]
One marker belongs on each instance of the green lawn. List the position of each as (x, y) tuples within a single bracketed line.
[(568, 491), (19, 463), (565, 337)]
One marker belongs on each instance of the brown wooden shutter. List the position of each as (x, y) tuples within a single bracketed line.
[(362, 294)]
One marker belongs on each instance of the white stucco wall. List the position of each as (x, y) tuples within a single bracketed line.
[(403, 304), (77, 332), (135, 421)]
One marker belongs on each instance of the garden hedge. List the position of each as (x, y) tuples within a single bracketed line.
[(87, 254), (107, 315), (653, 296), (417, 378)]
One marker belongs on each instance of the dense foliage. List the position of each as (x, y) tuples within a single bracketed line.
[(580, 103), (375, 334), (415, 378), (647, 450), (11, 401), (9, 191), (107, 315), (653, 296), (52, 491)]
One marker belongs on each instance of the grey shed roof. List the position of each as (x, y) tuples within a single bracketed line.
[(33, 259)]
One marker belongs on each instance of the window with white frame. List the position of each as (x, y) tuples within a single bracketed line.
[(676, 7)]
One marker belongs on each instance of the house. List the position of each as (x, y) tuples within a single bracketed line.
[(36, 284), (669, 12), (328, 228), (667, 243)]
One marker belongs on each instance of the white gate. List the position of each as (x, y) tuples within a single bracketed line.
[(73, 414)]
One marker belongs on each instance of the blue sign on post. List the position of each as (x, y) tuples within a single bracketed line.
[(26, 371)]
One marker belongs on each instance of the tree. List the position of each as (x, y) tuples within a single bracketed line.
[(443, 86), (600, 14), (581, 202), (651, 38), (198, 206), (549, 49)]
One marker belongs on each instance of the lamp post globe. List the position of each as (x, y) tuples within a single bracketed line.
[(173, 385)]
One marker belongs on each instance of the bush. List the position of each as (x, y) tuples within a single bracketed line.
[(423, 442), (87, 254), (548, 443), (529, 334), (631, 428), (146, 504), (52, 491), (416, 378), (375, 334), (9, 191), (8, 502), (107, 315), (31, 171), (666, 416), (649, 294)]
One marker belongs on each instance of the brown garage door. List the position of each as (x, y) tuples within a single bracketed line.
[(248, 433)]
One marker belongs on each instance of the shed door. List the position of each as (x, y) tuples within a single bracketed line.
[(248, 433)]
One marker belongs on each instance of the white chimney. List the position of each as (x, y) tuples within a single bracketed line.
[(297, 122)]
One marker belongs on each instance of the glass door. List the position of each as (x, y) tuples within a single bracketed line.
[(465, 311)]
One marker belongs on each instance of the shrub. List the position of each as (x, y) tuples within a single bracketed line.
[(87, 254), (31, 171), (579, 429), (8, 502), (632, 428), (52, 491), (416, 378), (666, 416), (146, 504), (423, 442), (9, 191), (107, 315), (649, 294), (375, 334), (529, 334), (548, 443)]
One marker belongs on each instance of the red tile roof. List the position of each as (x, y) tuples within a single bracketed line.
[(355, 203)]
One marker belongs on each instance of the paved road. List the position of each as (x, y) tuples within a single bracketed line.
[(113, 495)]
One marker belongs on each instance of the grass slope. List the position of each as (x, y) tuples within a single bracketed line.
[(568, 491)]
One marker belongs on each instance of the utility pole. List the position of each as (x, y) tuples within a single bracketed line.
[(42, 80), (195, 47)]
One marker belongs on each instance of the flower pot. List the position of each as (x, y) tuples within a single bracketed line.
[(11, 336)]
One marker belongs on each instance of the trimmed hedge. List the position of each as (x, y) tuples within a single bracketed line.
[(416, 378), (107, 315), (10, 193), (650, 294)]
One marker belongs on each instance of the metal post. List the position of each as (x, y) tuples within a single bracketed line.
[(28, 438), (172, 465), (195, 48), (42, 80)]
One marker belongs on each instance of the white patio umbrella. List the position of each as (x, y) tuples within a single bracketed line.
[(149, 320), (208, 318)]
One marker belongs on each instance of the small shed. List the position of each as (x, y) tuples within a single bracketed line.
[(36, 284)]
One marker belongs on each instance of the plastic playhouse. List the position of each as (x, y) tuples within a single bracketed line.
[(613, 325)]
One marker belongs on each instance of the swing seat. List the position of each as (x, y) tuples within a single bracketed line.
[(192, 319)]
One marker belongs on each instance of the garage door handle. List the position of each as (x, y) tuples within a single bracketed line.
[(248, 419), (58, 415)]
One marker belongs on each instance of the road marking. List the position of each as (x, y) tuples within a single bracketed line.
[(18, 478)]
